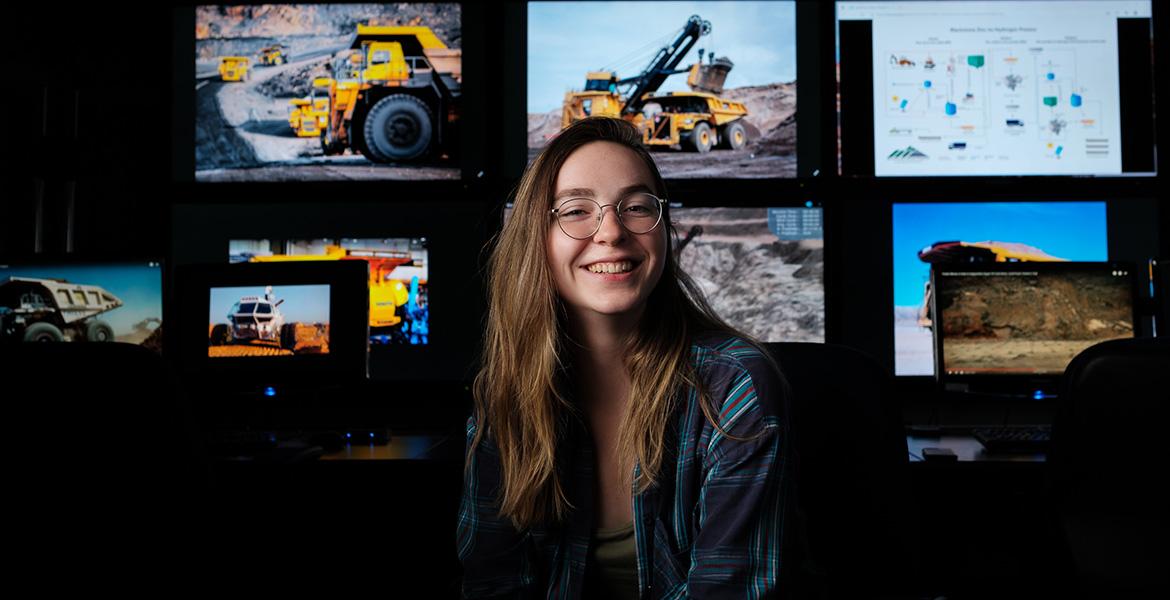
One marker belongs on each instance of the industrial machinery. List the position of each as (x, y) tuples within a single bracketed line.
[(233, 68), (395, 95), (274, 55), (256, 318), (698, 120), (46, 310), (387, 296), (308, 116)]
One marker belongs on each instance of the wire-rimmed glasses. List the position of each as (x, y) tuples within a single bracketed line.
[(580, 218)]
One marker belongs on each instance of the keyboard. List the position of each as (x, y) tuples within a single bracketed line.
[(1008, 439)]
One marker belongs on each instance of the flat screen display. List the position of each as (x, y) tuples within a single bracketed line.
[(119, 302), (399, 278), (997, 88), (304, 92), (762, 269), (1017, 319), (710, 84), (267, 320), (977, 232)]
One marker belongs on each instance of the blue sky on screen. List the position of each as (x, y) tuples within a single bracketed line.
[(137, 285), (302, 303), (568, 39), (1069, 230)]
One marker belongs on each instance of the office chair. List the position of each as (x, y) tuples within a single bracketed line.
[(104, 459), (852, 478), (1107, 466)]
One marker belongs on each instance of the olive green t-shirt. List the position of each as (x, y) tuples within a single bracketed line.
[(612, 570)]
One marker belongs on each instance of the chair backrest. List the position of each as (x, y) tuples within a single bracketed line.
[(853, 481), (1108, 462)]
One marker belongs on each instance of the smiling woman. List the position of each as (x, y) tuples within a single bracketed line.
[(626, 441)]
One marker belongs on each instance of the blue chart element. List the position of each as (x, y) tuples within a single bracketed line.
[(1075, 100), (1059, 149), (416, 316), (926, 84), (903, 104), (1051, 76), (951, 108)]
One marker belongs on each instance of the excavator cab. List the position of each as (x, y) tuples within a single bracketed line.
[(384, 63)]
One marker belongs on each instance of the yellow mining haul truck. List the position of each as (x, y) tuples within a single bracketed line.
[(273, 55), (233, 68), (298, 118), (386, 295), (396, 95), (698, 120), (309, 116)]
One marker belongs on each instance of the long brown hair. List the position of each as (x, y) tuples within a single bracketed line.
[(519, 391)]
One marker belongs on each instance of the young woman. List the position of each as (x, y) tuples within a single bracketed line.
[(626, 442)]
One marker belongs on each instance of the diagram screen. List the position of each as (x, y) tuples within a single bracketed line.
[(1004, 88)]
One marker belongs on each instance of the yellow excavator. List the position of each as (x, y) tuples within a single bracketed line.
[(698, 120), (395, 95)]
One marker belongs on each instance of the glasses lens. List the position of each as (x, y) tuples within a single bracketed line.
[(640, 212), (578, 217)]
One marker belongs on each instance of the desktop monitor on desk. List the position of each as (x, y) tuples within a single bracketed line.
[(252, 327), (1012, 328)]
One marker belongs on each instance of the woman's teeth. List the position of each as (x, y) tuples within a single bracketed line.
[(611, 267)]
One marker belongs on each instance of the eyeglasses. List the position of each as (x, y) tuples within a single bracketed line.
[(580, 218)]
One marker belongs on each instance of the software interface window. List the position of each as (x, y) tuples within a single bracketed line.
[(1001, 88)]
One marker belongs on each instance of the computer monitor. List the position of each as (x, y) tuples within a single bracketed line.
[(82, 302), (954, 233), (260, 325), (996, 88), (310, 92), (710, 84), (399, 279), (1021, 321), (761, 268)]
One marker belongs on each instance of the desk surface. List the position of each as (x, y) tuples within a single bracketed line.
[(967, 448), (401, 447)]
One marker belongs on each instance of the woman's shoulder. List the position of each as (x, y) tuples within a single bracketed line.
[(727, 348), (740, 371)]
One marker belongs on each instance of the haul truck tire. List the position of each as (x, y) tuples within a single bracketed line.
[(288, 336), (398, 128), (43, 332), (700, 139), (99, 331), (733, 136), (220, 335)]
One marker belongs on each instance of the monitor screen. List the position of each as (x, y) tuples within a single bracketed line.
[(998, 88), (302, 92), (78, 302), (1027, 319), (285, 320), (762, 269), (710, 84), (399, 281), (977, 232)]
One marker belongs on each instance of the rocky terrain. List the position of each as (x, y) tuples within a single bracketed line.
[(1030, 321), (770, 127), (311, 339), (772, 289)]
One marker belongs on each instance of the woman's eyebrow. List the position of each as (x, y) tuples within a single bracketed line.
[(574, 192)]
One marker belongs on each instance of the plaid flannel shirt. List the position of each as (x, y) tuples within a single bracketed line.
[(711, 527)]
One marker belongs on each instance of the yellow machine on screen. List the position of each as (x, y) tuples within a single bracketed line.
[(310, 115), (394, 96), (697, 120), (273, 55), (386, 295), (233, 68)]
